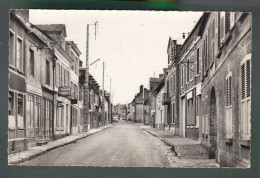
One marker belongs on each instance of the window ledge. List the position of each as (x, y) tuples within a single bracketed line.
[(245, 143)]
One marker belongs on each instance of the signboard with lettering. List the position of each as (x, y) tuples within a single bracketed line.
[(64, 91)]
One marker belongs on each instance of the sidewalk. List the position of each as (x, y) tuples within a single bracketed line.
[(35, 151), (188, 152)]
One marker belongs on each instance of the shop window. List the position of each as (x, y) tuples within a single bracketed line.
[(11, 49), (246, 97), (11, 110), (229, 124), (11, 104), (30, 111), (20, 111), (38, 117)]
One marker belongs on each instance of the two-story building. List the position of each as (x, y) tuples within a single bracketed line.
[(62, 79), (190, 81), (226, 87), (17, 83), (76, 117)]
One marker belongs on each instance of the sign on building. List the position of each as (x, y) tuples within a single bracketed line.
[(64, 91)]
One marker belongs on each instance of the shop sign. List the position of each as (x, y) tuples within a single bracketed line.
[(64, 91)]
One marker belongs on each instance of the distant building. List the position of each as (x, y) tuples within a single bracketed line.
[(139, 103)]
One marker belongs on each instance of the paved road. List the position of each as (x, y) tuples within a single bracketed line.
[(123, 145)]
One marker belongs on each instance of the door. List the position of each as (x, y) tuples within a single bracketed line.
[(183, 117), (213, 126)]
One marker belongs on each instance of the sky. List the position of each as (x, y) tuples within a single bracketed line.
[(132, 44)]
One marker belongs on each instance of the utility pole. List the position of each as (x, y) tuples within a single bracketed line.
[(86, 122), (86, 86), (103, 94)]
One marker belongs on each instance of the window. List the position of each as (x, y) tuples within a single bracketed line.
[(38, 113), (60, 73), (19, 54), (191, 68), (222, 26), (11, 104), (198, 61), (29, 111), (188, 70), (182, 76), (62, 116), (68, 76), (58, 117), (11, 48), (20, 111), (31, 63), (246, 97), (229, 124), (57, 74), (48, 77), (64, 75)]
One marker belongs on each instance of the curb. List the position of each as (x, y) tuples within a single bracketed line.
[(52, 148)]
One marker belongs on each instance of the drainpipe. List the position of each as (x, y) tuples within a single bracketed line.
[(54, 99)]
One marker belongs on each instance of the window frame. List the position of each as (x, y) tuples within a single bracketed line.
[(228, 106), (14, 49), (21, 52), (243, 135)]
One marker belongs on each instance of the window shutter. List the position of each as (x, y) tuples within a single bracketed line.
[(227, 95), (243, 81), (230, 94), (227, 28), (222, 26), (232, 19), (248, 92)]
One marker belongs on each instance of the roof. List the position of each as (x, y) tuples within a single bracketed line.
[(200, 22), (73, 46), (53, 28)]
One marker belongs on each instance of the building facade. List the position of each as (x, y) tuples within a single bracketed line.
[(226, 88)]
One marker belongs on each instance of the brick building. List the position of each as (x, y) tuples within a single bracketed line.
[(226, 88)]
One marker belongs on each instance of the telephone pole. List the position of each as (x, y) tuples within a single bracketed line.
[(86, 122)]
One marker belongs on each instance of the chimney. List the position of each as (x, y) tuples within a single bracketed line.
[(141, 88), (160, 75), (183, 35)]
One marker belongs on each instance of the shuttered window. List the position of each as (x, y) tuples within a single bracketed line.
[(229, 123), (222, 26), (245, 84)]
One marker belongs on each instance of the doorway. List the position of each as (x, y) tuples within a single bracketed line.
[(213, 125)]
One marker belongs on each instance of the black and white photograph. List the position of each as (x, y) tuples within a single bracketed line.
[(129, 88)]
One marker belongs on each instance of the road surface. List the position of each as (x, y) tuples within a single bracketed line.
[(123, 145)]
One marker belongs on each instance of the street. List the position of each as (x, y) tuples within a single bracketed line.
[(123, 145)]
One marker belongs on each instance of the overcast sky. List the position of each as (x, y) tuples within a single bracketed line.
[(133, 44)]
